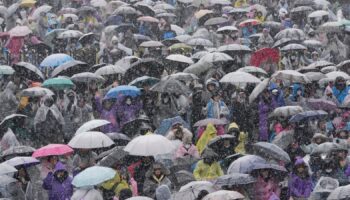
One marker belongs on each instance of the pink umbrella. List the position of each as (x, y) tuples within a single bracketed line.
[(20, 31), (52, 150)]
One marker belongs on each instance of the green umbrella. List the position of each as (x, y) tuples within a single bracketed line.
[(6, 70), (58, 83)]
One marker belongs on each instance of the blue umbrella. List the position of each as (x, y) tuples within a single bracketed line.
[(166, 124), (93, 176), (123, 90), (55, 60), (308, 115)]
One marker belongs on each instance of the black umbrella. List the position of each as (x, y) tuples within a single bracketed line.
[(11, 117), (119, 138), (125, 27), (154, 68), (145, 9), (96, 67), (234, 179), (131, 127), (28, 71), (69, 68), (271, 150), (88, 37), (110, 157)]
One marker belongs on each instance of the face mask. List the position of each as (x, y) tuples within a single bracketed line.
[(128, 102), (187, 146), (329, 170), (166, 99)]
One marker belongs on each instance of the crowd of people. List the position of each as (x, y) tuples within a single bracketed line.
[(174, 99)]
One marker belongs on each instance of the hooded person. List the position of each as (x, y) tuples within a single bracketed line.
[(8, 100), (208, 168), (155, 177), (34, 189), (209, 133), (178, 132), (340, 90), (216, 108), (128, 110), (300, 183), (8, 140), (187, 149), (166, 108), (58, 183), (107, 110)]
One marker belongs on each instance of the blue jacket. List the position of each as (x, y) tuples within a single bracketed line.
[(210, 108), (340, 95)]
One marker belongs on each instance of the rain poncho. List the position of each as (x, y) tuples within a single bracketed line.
[(152, 182), (87, 194), (109, 115), (35, 190), (8, 140), (8, 101), (204, 172), (300, 187), (127, 112), (163, 193), (117, 184), (209, 133)]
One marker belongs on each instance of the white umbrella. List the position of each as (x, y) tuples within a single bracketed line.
[(20, 31), (41, 9), (126, 61), (200, 42), (164, 6), (234, 47), (36, 92), (71, 15), (109, 70), (183, 38), (318, 13), (224, 195), (6, 169), (149, 145), (293, 47), (191, 190), (178, 30), (291, 75), (227, 28), (6, 70), (239, 78), (199, 55), (86, 77), (90, 140), (152, 43), (334, 75), (329, 69), (179, 58), (258, 90), (98, 3), (17, 161), (253, 70), (70, 34), (215, 57), (5, 180), (183, 76), (92, 124), (286, 111)]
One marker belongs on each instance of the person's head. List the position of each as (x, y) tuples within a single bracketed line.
[(340, 83), (125, 194), (48, 101), (107, 104), (264, 173), (202, 193), (343, 134), (81, 102), (259, 14), (216, 96), (52, 160), (208, 160), (71, 96), (61, 175), (128, 100), (265, 32), (165, 98)]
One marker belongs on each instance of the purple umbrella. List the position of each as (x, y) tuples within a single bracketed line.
[(321, 104)]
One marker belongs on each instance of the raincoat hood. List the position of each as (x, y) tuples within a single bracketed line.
[(209, 133), (60, 167), (11, 87)]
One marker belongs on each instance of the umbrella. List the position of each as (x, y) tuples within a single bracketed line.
[(185, 77), (55, 60), (179, 58), (215, 57), (69, 68), (199, 55), (329, 69), (291, 33), (166, 124), (304, 3), (125, 27), (93, 176), (11, 117), (98, 3), (149, 145), (312, 44), (296, 10), (165, 14), (224, 195), (334, 75), (325, 148), (326, 185), (68, 10), (323, 104), (238, 77), (315, 76), (125, 10), (41, 9), (284, 139), (215, 21), (109, 70), (170, 85), (123, 90), (6, 169), (290, 75), (253, 70), (36, 92), (293, 47), (139, 198), (234, 48), (264, 55), (286, 111), (110, 157), (308, 115), (29, 71), (20, 31), (308, 69), (148, 19), (52, 150), (144, 8), (90, 140), (12, 9), (227, 29), (183, 38), (234, 179), (282, 42), (6, 70), (70, 34), (88, 37), (275, 167), (259, 89), (180, 47), (249, 22), (140, 81), (92, 124), (342, 192), (219, 2), (94, 68), (86, 9), (27, 3), (25, 161), (344, 66), (154, 66), (200, 42), (205, 122), (320, 64), (127, 61), (331, 27), (3, 11), (58, 83), (215, 144), (150, 44), (118, 136), (191, 190), (245, 164), (5, 180), (164, 6), (87, 77), (183, 177), (270, 150), (52, 35), (18, 151), (318, 14)]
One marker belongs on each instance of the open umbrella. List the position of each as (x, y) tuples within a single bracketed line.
[(224, 195), (179, 58), (326, 185), (93, 176), (166, 124), (70, 34), (291, 76), (286, 111), (331, 27), (227, 29), (83, 9), (149, 145), (183, 38), (36, 92), (11, 117), (110, 70), (237, 78), (12, 9), (215, 21), (329, 69), (323, 104), (18, 151), (234, 179), (320, 64), (3, 11), (20, 31), (58, 83), (119, 136), (315, 76), (185, 77), (52, 150), (98, 3), (270, 150), (55, 60), (318, 14), (312, 44), (199, 42), (199, 55), (334, 75), (92, 124), (205, 122), (291, 33), (284, 139), (6, 169), (5, 180), (245, 164), (6, 70), (87, 77), (90, 140), (148, 19), (263, 55), (163, 6), (151, 44), (67, 10), (41, 9), (300, 9), (293, 47), (256, 71), (236, 48), (342, 192), (69, 68), (325, 148), (22, 161), (191, 190), (308, 115), (275, 167), (259, 89), (215, 57), (249, 22), (140, 81), (170, 85), (125, 10), (123, 90), (127, 61), (110, 157)]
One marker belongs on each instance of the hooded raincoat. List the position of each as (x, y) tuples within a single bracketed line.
[(8, 101), (209, 133)]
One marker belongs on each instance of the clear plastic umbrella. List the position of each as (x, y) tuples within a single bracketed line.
[(36, 92), (191, 190), (6, 169), (215, 57), (109, 70), (179, 58), (245, 164), (90, 140), (41, 9)]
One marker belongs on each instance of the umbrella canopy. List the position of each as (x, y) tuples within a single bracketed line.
[(183, 76), (12, 9), (148, 19), (199, 42), (110, 157), (70, 34), (215, 21), (318, 13), (93, 176), (342, 192), (331, 27), (323, 104), (20, 31), (41, 9), (17, 151), (98, 3), (234, 48), (163, 6), (123, 90), (52, 150), (69, 68), (245, 164), (5, 180), (227, 29), (275, 167), (315, 76), (205, 122), (55, 60), (253, 70), (326, 185), (11, 117), (259, 89), (293, 47), (149, 145), (264, 55), (36, 92), (191, 190), (87, 77), (110, 70), (286, 111), (320, 64), (270, 150), (284, 139), (6, 169), (299, 9), (237, 78), (215, 57), (150, 44), (312, 44), (334, 75), (166, 124), (325, 148), (58, 83), (92, 124), (291, 33), (249, 22), (308, 115), (224, 195), (171, 85), (22, 161), (6, 70), (86, 9), (234, 179), (90, 140), (179, 58), (291, 76), (139, 82)]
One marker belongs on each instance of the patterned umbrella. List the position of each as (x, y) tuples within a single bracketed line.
[(291, 33), (171, 85)]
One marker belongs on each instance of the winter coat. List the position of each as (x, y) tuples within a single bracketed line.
[(205, 172), (163, 193), (215, 109), (266, 190), (182, 152), (209, 133), (151, 182), (57, 190), (109, 115), (127, 113), (187, 135), (340, 95), (90, 194), (8, 101)]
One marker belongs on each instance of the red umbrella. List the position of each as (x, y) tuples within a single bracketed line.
[(263, 55)]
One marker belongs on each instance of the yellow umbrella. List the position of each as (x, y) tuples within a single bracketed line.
[(27, 3)]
